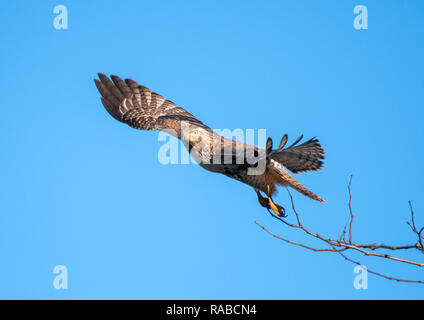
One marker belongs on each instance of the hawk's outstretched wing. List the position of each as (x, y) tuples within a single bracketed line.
[(139, 107)]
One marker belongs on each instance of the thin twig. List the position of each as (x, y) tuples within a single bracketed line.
[(350, 209), (296, 243), (414, 228)]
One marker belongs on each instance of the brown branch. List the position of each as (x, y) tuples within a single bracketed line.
[(377, 273), (341, 245), (380, 255), (375, 246), (296, 243)]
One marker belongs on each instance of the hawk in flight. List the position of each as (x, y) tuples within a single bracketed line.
[(139, 107)]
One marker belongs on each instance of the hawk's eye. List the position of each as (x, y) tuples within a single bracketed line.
[(195, 132)]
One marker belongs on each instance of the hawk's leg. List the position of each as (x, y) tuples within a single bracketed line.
[(279, 210), (269, 204)]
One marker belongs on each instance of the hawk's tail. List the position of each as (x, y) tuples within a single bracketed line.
[(307, 156), (287, 179)]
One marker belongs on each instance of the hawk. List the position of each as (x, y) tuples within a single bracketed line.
[(140, 108)]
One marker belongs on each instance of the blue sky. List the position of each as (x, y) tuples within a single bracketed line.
[(80, 189)]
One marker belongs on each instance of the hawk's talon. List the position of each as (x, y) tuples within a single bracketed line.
[(278, 210)]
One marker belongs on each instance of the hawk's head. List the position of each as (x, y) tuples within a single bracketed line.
[(194, 135)]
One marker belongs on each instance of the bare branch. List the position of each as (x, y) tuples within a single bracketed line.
[(341, 246), (296, 243), (379, 274)]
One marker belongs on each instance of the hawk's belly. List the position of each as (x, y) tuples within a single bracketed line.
[(261, 181)]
